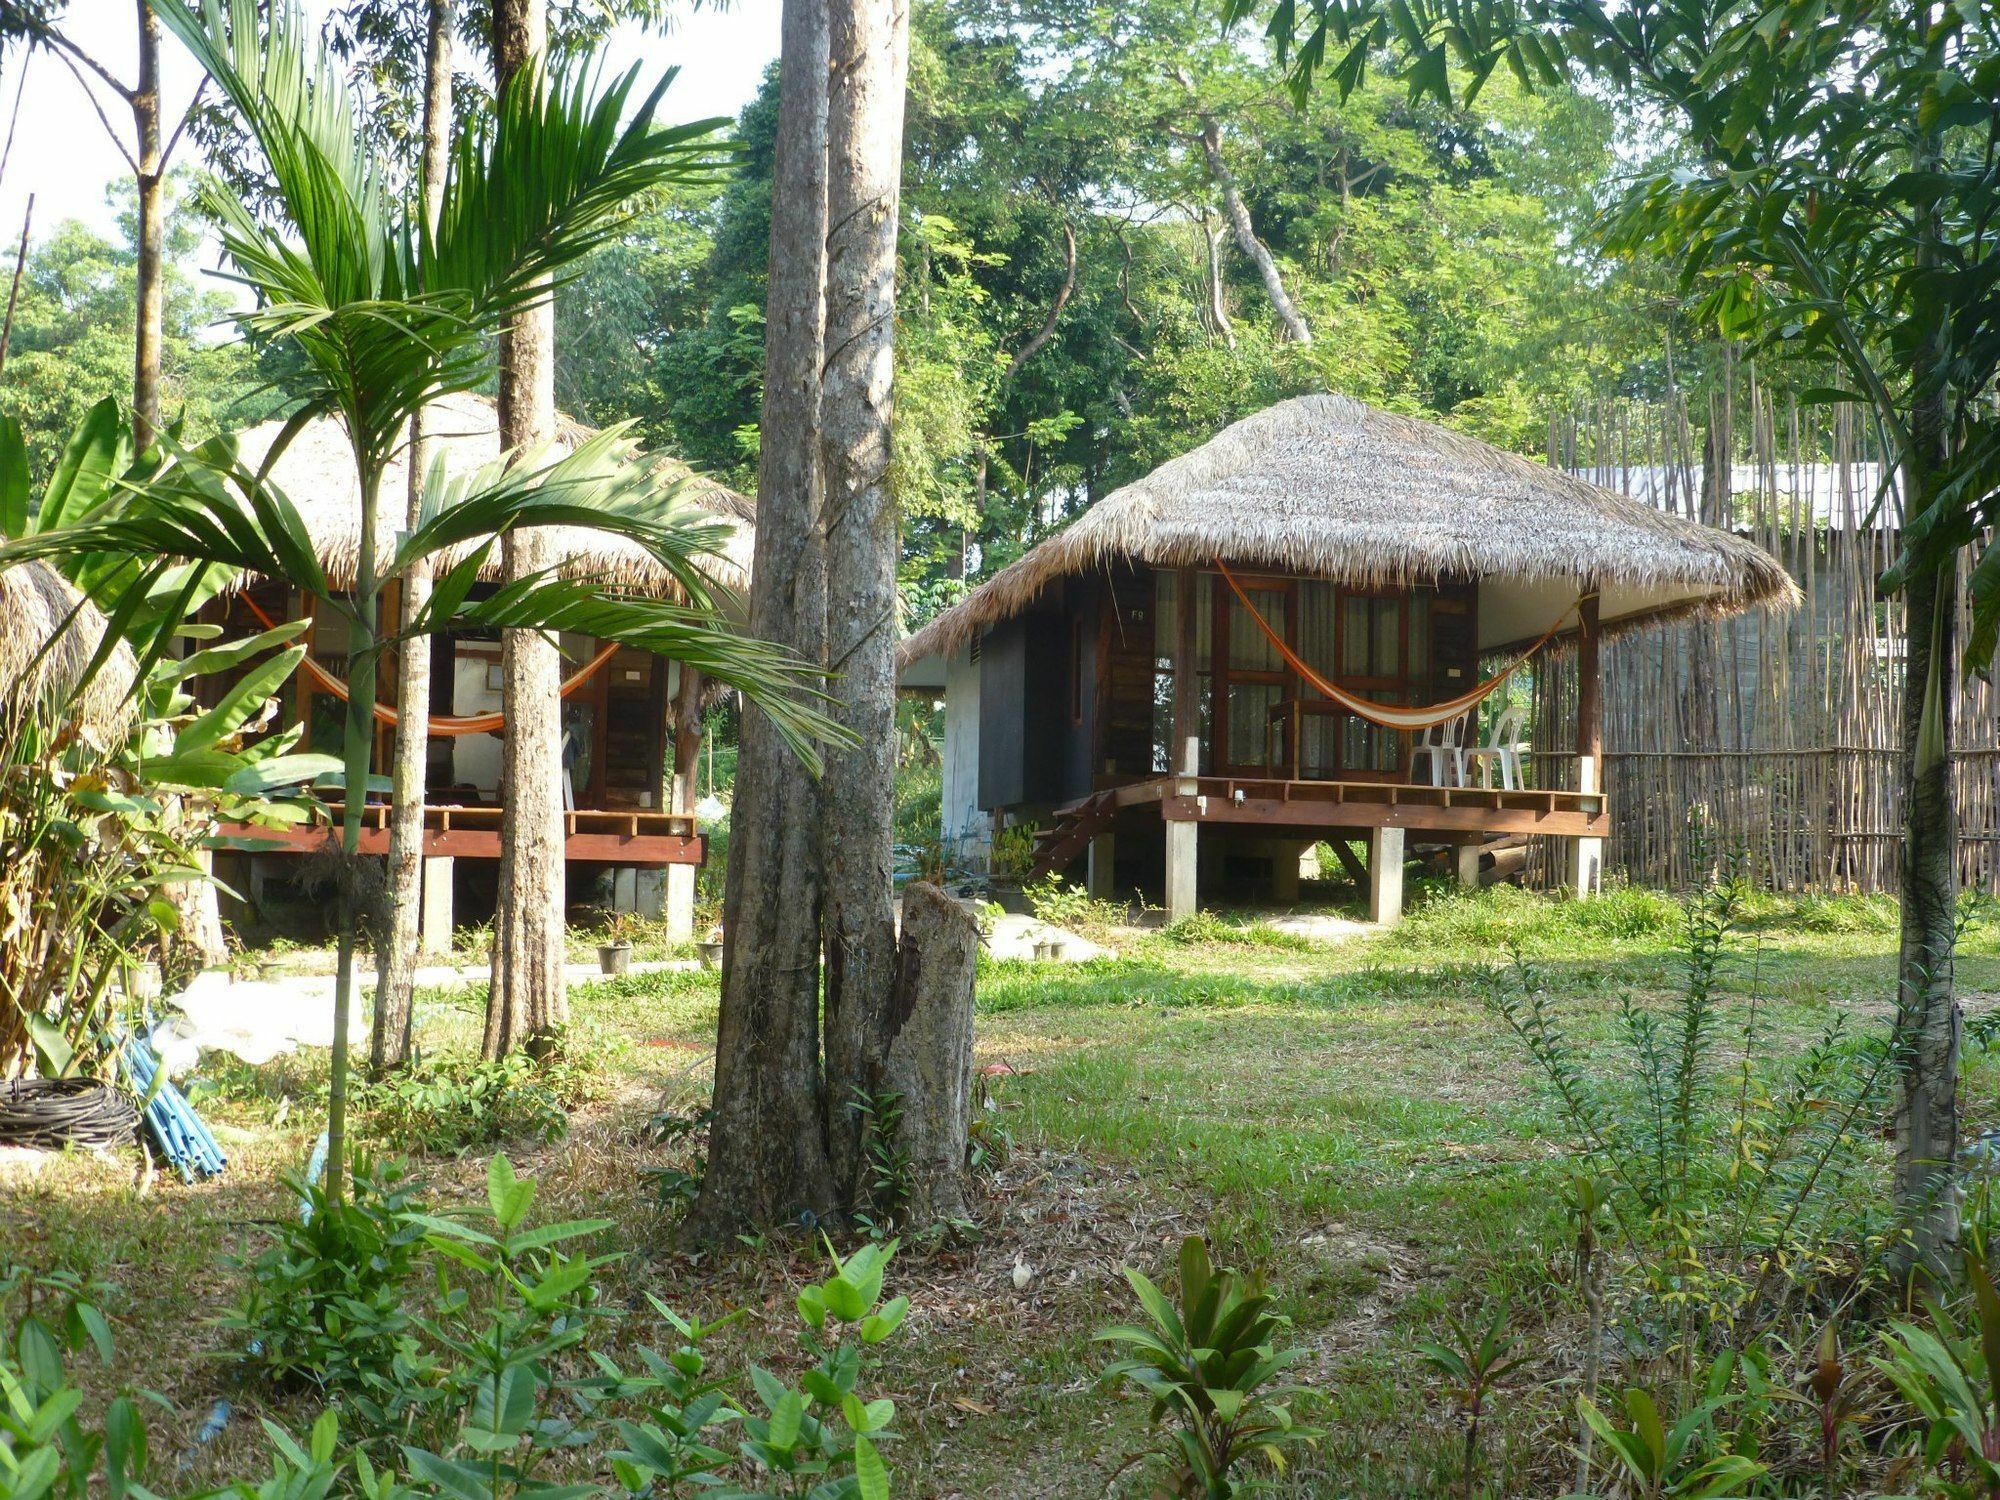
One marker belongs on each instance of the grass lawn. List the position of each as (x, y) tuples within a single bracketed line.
[(1350, 1120)]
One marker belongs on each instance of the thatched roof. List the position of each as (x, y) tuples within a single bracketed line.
[(1330, 487), (37, 605), (316, 472)]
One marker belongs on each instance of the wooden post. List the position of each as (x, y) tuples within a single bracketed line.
[(1184, 754), (681, 798), (1587, 855), (1285, 873), (1385, 875)]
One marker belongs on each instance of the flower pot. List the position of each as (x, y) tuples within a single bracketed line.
[(709, 953), (614, 958)]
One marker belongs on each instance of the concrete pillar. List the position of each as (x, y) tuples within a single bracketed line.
[(1586, 860), (1465, 864), (434, 921), (1181, 865), (1285, 874), (1385, 875), (680, 903), (625, 888), (649, 894), (1102, 879)]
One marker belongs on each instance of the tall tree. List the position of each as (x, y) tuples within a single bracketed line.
[(1837, 205), (199, 925), (870, 67), (526, 1000), (767, 1157), (386, 318), (396, 962)]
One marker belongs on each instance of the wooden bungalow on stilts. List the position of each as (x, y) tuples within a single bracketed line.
[(631, 720), (1281, 637)]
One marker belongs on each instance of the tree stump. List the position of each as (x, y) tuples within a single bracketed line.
[(929, 1062)]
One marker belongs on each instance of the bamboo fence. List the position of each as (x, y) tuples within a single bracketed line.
[(1769, 737)]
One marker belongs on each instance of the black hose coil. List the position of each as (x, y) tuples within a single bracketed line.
[(55, 1112)]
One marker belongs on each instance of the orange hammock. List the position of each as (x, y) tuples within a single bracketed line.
[(1388, 715), (443, 726)]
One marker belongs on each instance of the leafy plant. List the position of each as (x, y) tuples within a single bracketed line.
[(452, 1103), (688, 1131), (1060, 904), (325, 1305), (46, 1448), (820, 1437), (1726, 1173), (1210, 1368), (1013, 852), (1653, 1460), (1474, 1364), (889, 1166), (523, 1304), (1952, 1379)]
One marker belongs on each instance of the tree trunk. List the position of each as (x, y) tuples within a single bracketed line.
[(526, 1003), (148, 277), (1928, 1019), (1246, 236), (767, 1161), (869, 48), (396, 964), (195, 902), (929, 1062)]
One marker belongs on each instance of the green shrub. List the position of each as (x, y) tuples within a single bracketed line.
[(324, 1308), (1505, 918), (450, 1104), (1060, 904), (1211, 1369), (1201, 928)]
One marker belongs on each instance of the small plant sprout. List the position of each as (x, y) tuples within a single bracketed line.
[(1209, 1367), (1474, 1364), (1654, 1461), (1834, 1403)]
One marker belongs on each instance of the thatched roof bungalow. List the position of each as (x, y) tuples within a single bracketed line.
[(49, 634), (1259, 632), (630, 720)]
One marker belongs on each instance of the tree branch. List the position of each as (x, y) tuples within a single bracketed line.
[(1042, 335)]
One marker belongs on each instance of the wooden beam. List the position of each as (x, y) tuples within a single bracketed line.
[(1359, 816), (1184, 756), (1350, 862)]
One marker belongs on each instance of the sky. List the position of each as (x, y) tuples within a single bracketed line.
[(64, 156)]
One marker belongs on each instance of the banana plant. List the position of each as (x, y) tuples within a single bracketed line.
[(388, 312)]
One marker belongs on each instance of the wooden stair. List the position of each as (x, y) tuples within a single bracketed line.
[(1069, 835)]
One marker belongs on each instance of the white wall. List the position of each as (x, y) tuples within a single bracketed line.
[(475, 758), (966, 826)]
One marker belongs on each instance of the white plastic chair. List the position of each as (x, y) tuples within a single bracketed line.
[(1439, 752), (1502, 752)]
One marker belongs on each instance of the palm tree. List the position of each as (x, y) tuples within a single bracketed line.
[(388, 313)]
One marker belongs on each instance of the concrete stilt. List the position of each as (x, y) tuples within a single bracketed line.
[(680, 903), (625, 888), (1182, 852), (434, 921), (1285, 874), (1102, 879), (649, 895), (1465, 864), (1385, 875)]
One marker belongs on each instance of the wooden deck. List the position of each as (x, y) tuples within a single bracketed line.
[(591, 836), (1436, 812)]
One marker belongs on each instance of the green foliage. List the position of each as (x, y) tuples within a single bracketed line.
[(1506, 917), (1013, 853), (1730, 1161), (1473, 1364), (822, 1432), (1951, 1376), (1654, 1459), (1209, 1368), (686, 1131), (1060, 904), (452, 1103), (889, 1166), (1202, 927), (326, 1305), (47, 1449)]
